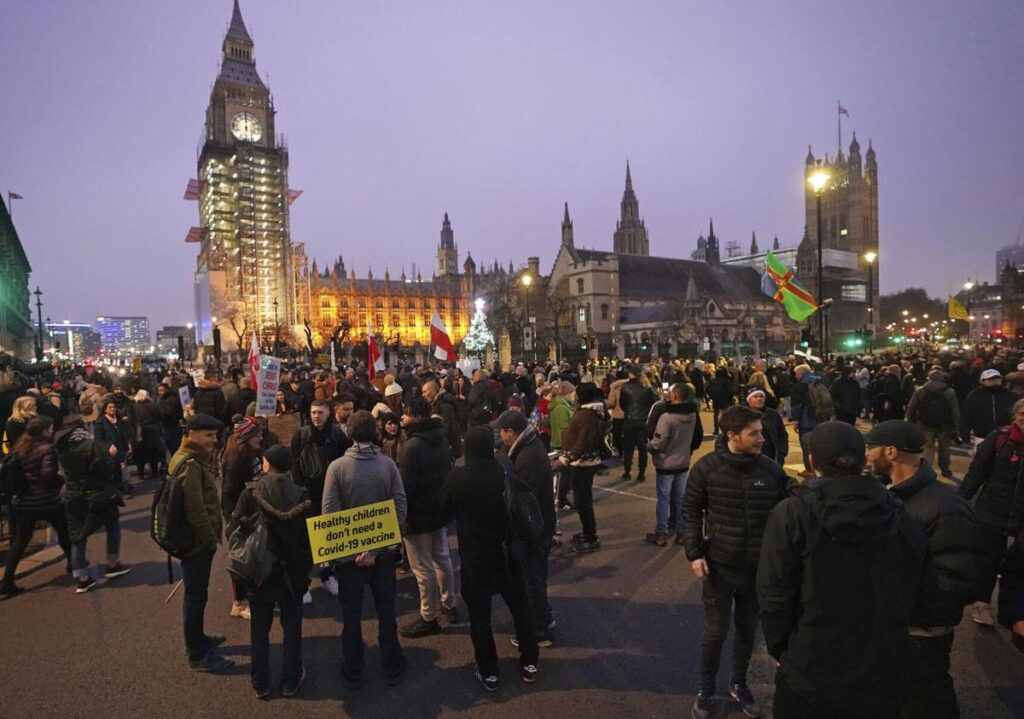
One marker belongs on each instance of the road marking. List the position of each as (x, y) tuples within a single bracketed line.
[(626, 494)]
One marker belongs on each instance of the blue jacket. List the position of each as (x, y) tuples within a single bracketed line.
[(800, 403)]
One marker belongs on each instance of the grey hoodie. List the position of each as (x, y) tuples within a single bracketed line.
[(363, 475)]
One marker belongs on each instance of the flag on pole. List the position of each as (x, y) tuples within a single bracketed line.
[(779, 283), (333, 363), (293, 195), (443, 347), (14, 196), (254, 362), (843, 110), (956, 310), (376, 360)]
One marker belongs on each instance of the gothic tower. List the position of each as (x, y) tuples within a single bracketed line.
[(712, 254), (630, 232), (567, 228), (447, 252), (244, 274)]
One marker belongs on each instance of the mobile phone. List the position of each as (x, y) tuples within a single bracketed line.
[(664, 385)]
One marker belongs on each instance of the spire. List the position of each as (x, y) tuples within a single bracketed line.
[(810, 157), (854, 146), (237, 27), (775, 243), (711, 228), (566, 222), (567, 228), (753, 243), (629, 178)]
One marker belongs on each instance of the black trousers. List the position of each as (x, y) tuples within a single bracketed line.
[(536, 570), (788, 704), (722, 600), (380, 578), (512, 588), (931, 687), (195, 573), (23, 524), (617, 434), (995, 542), (275, 592), (634, 438), (583, 494)]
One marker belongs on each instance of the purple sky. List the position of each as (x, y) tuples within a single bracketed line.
[(397, 112)]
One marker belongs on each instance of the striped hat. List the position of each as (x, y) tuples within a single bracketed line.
[(245, 428)]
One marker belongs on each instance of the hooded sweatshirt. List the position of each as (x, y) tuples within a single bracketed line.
[(363, 475), (677, 435), (841, 569)]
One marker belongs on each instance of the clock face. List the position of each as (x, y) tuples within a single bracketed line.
[(245, 126)]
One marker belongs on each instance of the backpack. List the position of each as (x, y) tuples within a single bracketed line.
[(604, 436), (820, 401), (10, 479), (932, 409), (250, 560), (169, 525), (310, 462), (524, 522)]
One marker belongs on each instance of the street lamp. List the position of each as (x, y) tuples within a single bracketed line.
[(969, 285), (818, 179), (870, 256), (277, 329), (527, 283)]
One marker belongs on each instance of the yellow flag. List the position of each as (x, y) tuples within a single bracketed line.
[(956, 310)]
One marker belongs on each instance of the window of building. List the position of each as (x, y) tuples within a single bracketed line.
[(379, 303), (343, 303), (855, 293), (604, 312), (394, 321), (394, 304), (412, 304), (440, 304), (579, 286), (378, 320), (361, 303), (582, 314)]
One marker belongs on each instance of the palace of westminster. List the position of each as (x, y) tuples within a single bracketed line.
[(250, 275)]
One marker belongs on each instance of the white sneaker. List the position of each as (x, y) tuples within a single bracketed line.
[(240, 610), (331, 585), (307, 598)]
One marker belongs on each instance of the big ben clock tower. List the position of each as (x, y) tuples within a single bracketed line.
[(244, 277)]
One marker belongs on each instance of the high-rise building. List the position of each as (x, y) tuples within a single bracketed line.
[(124, 334), (244, 270), (849, 224), (1012, 255), (16, 332), (630, 236), (77, 340)]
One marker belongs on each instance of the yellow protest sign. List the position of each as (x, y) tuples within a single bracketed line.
[(353, 531)]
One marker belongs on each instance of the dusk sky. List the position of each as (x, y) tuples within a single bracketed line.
[(397, 112)]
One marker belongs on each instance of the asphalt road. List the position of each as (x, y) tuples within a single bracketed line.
[(629, 617)]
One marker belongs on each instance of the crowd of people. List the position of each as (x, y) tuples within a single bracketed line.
[(857, 568)]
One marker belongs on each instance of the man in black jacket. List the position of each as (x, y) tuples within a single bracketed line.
[(313, 448), (728, 497), (841, 570), (424, 461), (985, 408), (635, 400), (530, 460), (1011, 592), (960, 560)]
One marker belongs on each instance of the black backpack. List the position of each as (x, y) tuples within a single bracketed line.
[(932, 409), (524, 522), (310, 462), (604, 435), (250, 560), (169, 525)]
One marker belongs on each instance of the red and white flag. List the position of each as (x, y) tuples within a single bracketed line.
[(254, 362), (376, 360), (443, 347), (843, 110)]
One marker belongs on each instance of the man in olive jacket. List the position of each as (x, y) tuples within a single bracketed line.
[(195, 463)]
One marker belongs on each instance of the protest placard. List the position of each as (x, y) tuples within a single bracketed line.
[(268, 378), (353, 531), (183, 395)]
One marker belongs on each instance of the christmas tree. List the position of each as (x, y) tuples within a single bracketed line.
[(478, 335)]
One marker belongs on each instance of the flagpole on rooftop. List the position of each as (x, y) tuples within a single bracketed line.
[(839, 123)]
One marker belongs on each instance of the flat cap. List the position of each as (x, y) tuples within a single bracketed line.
[(514, 420), (203, 422), (897, 433)]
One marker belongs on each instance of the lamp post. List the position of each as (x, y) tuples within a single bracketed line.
[(39, 308), (968, 285), (527, 283), (818, 179), (277, 329), (869, 257)]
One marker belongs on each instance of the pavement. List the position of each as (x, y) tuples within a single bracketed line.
[(629, 626)]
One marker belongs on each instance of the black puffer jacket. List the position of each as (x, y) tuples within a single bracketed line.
[(636, 400), (961, 560), (1011, 587), (209, 399), (728, 498), (985, 409), (841, 570), (532, 465), (88, 470), (995, 475), (424, 462)]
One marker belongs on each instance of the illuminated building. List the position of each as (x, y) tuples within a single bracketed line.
[(244, 270), (16, 330)]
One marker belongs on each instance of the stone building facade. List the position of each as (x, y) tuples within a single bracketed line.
[(17, 334)]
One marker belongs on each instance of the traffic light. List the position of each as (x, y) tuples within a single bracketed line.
[(805, 337)]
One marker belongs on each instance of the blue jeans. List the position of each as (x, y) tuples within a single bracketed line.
[(195, 573), (112, 522), (276, 591), (670, 489), (381, 579)]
